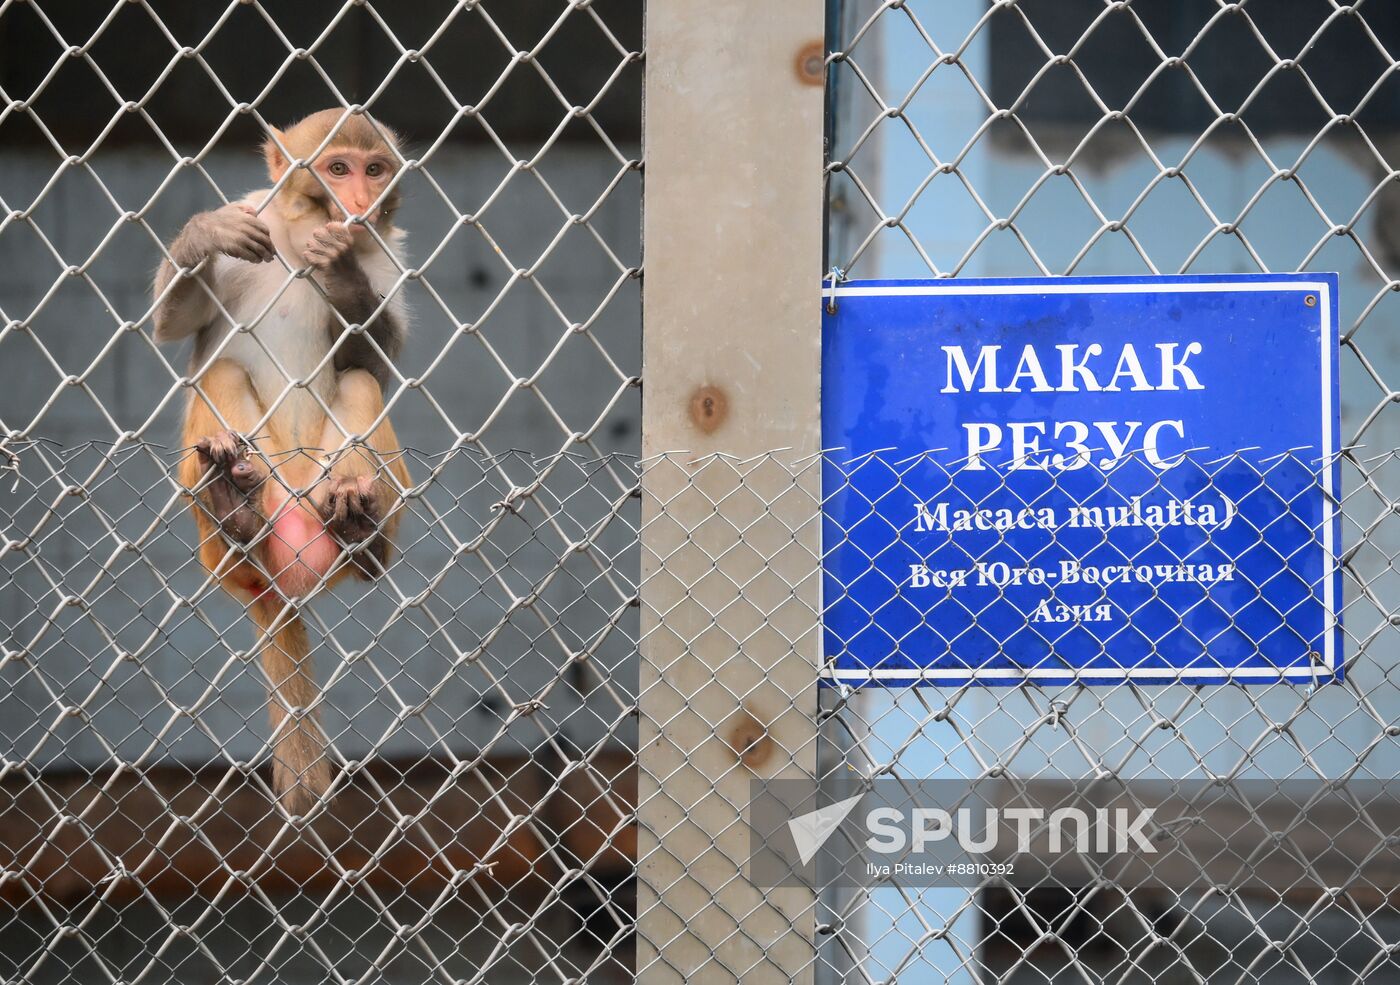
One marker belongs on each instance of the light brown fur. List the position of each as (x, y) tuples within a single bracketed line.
[(275, 520), (301, 771)]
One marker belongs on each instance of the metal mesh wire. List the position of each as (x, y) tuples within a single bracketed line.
[(471, 792), (730, 549), (1025, 138), (481, 696), (478, 696)]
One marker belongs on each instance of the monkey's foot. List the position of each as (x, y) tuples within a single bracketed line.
[(353, 514), (237, 478)]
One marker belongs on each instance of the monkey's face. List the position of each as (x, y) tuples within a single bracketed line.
[(357, 179)]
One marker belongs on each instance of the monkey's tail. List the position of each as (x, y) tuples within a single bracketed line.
[(301, 770)]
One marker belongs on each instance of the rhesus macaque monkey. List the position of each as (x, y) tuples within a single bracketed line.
[(268, 392)]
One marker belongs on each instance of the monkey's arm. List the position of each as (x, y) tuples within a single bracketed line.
[(183, 302), (331, 253)]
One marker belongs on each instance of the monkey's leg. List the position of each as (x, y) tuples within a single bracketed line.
[(231, 498), (301, 770), (359, 496), (300, 767)]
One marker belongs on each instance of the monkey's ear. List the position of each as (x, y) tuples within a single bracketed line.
[(277, 162)]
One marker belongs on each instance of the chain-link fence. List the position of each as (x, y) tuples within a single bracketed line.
[(473, 696), (1218, 572), (536, 713), (1036, 138)]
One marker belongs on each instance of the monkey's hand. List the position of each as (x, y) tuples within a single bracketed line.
[(331, 253), (331, 250), (234, 230)]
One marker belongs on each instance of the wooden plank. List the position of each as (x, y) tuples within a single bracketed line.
[(175, 833), (731, 363)]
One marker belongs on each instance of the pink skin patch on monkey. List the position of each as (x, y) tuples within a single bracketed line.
[(251, 584), (299, 552)]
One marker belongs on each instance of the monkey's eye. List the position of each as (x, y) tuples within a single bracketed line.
[(374, 170), (340, 169)]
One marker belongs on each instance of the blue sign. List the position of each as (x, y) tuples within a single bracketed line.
[(1082, 480)]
